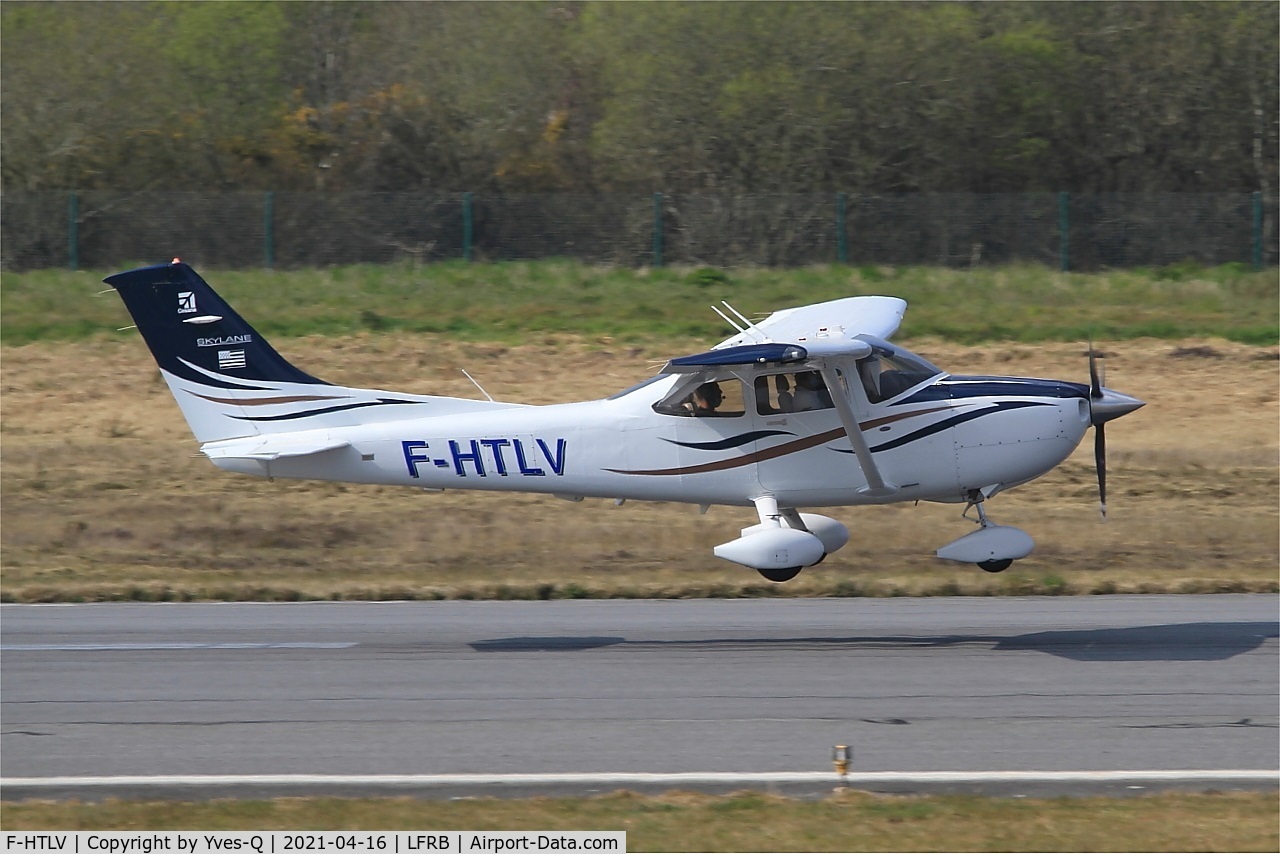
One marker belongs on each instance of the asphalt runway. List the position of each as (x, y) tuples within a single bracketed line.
[(587, 688)]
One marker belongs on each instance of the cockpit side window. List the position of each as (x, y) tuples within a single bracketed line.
[(719, 398), (801, 391), (886, 374)]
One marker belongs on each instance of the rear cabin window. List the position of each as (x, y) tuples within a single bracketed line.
[(802, 391)]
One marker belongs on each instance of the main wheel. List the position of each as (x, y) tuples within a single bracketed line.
[(785, 574), (995, 565)]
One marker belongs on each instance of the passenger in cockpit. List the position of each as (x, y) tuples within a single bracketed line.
[(811, 392)]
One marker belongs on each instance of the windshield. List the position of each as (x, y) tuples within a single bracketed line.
[(628, 390), (889, 371)]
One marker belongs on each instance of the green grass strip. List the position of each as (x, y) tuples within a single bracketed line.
[(518, 301), (747, 821)]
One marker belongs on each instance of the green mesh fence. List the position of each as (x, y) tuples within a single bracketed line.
[(107, 230)]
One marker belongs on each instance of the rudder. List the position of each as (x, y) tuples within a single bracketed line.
[(194, 334), (231, 384), (227, 380)]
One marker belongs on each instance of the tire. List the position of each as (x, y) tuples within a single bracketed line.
[(785, 574), (995, 565)]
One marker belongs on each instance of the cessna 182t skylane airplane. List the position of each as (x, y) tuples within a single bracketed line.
[(810, 407)]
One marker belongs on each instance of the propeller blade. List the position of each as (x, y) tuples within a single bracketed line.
[(1100, 462), (1095, 381)]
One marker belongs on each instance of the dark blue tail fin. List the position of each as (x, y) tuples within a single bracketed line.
[(230, 383), (194, 334)]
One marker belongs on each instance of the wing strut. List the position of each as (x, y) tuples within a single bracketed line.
[(877, 486)]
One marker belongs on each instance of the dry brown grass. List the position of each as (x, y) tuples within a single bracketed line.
[(104, 496)]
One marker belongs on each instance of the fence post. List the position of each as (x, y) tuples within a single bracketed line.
[(73, 230), (466, 226), (269, 229), (1064, 229), (657, 229), (842, 237), (1257, 230)]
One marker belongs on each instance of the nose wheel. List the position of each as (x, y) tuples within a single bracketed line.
[(987, 565)]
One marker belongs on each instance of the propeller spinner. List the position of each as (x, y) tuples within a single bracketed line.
[(1104, 405)]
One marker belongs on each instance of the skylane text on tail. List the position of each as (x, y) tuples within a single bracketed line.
[(810, 407)]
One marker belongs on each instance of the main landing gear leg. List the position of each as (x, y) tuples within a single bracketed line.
[(771, 514)]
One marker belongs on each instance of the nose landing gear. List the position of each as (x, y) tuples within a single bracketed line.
[(992, 547)]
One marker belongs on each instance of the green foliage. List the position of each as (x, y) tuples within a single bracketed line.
[(708, 277), (798, 96)]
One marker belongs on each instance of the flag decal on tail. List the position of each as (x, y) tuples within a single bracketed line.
[(228, 359)]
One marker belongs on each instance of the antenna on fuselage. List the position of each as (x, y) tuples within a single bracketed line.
[(748, 327), (476, 384), (726, 319)]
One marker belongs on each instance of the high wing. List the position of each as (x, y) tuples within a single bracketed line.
[(793, 335), (829, 322)]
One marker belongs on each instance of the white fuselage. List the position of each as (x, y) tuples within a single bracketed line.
[(938, 441), (809, 407)]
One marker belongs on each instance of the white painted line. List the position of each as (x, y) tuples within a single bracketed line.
[(136, 647), (675, 779)]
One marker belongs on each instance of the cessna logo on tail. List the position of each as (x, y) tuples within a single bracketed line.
[(187, 302)]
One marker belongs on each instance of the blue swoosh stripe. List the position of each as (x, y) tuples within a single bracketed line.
[(325, 411), (731, 442), (964, 387), (946, 424), (183, 372)]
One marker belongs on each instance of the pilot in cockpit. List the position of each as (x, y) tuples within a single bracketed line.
[(704, 400)]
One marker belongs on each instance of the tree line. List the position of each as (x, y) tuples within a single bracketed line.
[(593, 97)]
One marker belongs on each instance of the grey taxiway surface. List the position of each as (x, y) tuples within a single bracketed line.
[(321, 691)]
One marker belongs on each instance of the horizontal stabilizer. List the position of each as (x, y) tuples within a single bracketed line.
[(269, 448)]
